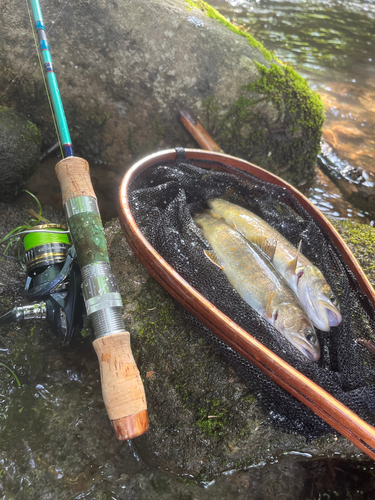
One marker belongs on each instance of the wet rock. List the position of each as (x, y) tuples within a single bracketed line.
[(203, 420), (356, 184), (57, 442), (20, 142), (125, 69)]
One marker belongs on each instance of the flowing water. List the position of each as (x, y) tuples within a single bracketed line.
[(330, 43)]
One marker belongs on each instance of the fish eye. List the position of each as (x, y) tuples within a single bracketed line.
[(311, 337), (333, 300)]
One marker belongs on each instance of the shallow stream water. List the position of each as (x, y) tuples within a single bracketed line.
[(331, 43)]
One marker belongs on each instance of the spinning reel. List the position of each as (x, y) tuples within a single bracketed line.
[(53, 283)]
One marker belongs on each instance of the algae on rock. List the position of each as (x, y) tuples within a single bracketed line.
[(361, 240)]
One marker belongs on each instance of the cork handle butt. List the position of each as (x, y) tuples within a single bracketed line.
[(131, 427), (122, 387)]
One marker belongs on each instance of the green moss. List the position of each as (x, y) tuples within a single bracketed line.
[(214, 14), (98, 120), (32, 134), (361, 240), (284, 86), (153, 320), (29, 132), (276, 122), (213, 419)]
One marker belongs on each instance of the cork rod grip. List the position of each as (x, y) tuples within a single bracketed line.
[(122, 387)]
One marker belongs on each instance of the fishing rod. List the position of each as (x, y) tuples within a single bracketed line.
[(122, 387)]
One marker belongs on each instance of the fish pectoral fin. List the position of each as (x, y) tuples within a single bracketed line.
[(268, 313), (292, 265), (213, 258), (266, 244), (234, 225)]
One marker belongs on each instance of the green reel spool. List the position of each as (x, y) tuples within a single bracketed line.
[(43, 249)]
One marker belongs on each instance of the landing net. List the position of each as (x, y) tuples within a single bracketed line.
[(164, 198)]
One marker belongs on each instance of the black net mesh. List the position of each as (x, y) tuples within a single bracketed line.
[(163, 200)]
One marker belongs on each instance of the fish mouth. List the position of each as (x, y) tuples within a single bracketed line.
[(323, 314), (310, 354), (319, 318), (333, 315)]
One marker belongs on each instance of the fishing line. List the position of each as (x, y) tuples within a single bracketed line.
[(32, 55), (33, 231), (41, 67)]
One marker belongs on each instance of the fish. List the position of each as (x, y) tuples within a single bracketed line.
[(304, 278), (259, 284)]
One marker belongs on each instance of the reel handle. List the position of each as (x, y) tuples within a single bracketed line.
[(122, 387)]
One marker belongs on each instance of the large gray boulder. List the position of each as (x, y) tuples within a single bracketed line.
[(20, 142), (126, 68), (203, 420)]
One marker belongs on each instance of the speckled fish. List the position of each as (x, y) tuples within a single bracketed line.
[(305, 279), (259, 284)]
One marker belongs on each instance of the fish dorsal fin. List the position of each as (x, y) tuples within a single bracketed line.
[(271, 296), (215, 215), (213, 258), (266, 244), (292, 265)]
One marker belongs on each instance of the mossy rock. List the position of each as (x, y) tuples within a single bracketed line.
[(20, 142), (122, 90), (361, 240), (277, 119)]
